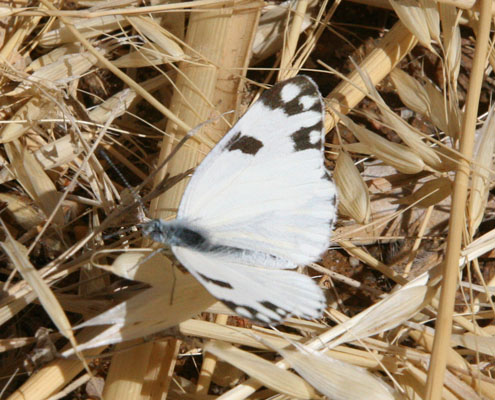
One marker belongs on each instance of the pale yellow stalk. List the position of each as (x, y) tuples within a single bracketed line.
[(457, 220), (395, 45)]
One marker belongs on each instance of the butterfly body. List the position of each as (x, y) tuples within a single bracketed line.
[(180, 234), (260, 204)]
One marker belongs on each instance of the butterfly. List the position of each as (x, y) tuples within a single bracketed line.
[(260, 204)]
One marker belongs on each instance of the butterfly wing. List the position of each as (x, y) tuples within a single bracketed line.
[(252, 291), (264, 186)]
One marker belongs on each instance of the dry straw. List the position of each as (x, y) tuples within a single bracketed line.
[(136, 321)]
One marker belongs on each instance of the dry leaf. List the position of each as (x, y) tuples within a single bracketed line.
[(388, 313), (429, 194), (88, 27), (354, 200), (35, 181), (17, 254), (265, 372), (337, 380), (393, 154), (416, 18)]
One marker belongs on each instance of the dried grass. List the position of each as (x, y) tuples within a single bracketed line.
[(128, 79)]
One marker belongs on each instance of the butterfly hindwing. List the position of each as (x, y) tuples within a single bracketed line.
[(252, 291)]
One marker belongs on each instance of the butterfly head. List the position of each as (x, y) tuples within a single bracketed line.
[(157, 230)]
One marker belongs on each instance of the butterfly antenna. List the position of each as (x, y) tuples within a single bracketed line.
[(104, 155)]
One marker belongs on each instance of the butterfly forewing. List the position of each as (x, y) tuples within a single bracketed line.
[(264, 185)]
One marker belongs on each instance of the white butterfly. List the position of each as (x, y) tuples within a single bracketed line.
[(260, 204)]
